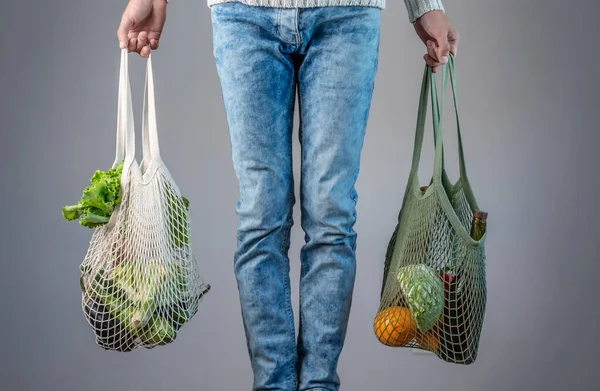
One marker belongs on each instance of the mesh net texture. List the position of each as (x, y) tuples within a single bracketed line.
[(433, 294), (434, 290), (140, 280)]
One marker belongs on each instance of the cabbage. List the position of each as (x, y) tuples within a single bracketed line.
[(424, 293)]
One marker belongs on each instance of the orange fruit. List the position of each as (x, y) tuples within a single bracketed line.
[(394, 326), (428, 341)]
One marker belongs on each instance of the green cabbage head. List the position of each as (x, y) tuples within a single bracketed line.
[(423, 290)]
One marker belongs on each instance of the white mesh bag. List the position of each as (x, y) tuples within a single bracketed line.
[(140, 279)]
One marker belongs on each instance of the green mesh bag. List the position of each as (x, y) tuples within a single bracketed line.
[(433, 294)]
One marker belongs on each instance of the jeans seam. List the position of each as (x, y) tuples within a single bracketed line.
[(293, 377), (278, 30), (296, 27), (289, 311), (286, 279), (299, 347)]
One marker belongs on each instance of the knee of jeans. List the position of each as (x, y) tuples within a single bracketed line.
[(265, 206), (325, 214)]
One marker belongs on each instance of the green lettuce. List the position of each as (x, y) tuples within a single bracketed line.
[(178, 217), (98, 200)]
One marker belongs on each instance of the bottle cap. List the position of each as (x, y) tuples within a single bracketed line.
[(480, 214)]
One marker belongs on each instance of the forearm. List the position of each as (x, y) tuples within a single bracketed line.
[(416, 8)]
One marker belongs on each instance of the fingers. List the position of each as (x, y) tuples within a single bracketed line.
[(442, 49), (432, 63), (431, 56), (154, 44), (141, 26), (431, 50), (453, 38), (127, 39), (123, 30), (145, 51), (153, 39), (134, 40), (142, 44), (139, 42), (439, 36), (132, 44)]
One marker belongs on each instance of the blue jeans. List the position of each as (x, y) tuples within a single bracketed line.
[(262, 55)]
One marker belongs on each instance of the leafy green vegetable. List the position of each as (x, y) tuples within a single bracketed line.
[(424, 293), (176, 310), (141, 287), (158, 331), (110, 334), (131, 301), (178, 215), (148, 303), (98, 200), (119, 308), (155, 331)]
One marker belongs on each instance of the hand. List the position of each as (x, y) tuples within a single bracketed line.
[(142, 24), (439, 36)]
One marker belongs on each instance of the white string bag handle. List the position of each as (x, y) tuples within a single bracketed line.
[(125, 149), (150, 148)]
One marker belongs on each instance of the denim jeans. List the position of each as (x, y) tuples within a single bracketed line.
[(263, 56)]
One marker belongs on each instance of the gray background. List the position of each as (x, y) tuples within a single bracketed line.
[(527, 73)]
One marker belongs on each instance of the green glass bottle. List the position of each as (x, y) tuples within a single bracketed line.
[(478, 224)]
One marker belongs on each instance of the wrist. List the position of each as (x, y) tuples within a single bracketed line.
[(429, 13), (418, 8)]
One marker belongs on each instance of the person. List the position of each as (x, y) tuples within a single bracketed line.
[(265, 52)]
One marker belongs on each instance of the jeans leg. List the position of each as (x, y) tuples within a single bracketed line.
[(257, 84), (335, 81)]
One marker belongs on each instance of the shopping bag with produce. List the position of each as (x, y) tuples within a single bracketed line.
[(433, 293), (140, 280)]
